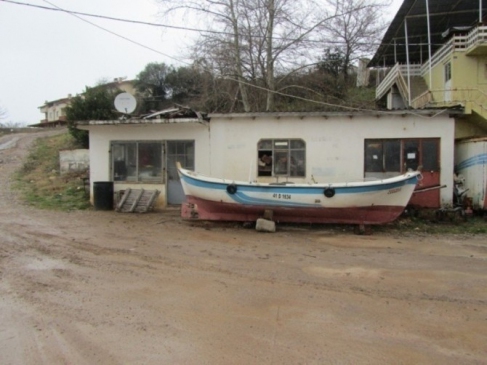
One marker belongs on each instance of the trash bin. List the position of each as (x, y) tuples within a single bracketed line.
[(103, 195)]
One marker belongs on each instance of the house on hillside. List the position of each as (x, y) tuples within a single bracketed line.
[(122, 84), (55, 111), (434, 55)]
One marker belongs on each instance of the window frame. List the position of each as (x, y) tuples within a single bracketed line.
[(447, 71), (267, 163), (415, 155), (136, 177)]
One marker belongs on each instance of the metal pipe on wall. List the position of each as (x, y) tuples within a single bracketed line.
[(429, 40), (407, 60), (480, 11), (395, 52)]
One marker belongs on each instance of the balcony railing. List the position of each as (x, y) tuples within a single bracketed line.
[(398, 75), (422, 100), (414, 70), (387, 82), (458, 43), (472, 99), (476, 37)]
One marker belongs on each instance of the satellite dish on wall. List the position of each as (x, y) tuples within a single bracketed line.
[(125, 103)]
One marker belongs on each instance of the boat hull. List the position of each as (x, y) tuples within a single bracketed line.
[(346, 203), (196, 208)]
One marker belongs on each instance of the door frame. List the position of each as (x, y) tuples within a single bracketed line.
[(174, 189)]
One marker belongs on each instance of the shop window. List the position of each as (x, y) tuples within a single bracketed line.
[(374, 157), (411, 155), (281, 157), (431, 159), (394, 156), (137, 161), (382, 156)]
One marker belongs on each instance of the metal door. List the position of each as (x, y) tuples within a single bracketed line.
[(182, 152), (424, 153)]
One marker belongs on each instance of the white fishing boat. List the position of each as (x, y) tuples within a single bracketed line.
[(363, 203)]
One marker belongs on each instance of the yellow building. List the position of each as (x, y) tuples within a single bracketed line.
[(434, 55)]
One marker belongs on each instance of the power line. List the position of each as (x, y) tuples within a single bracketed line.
[(58, 9), (115, 34)]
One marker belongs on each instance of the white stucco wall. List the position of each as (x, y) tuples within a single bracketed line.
[(101, 136), (334, 145), (227, 148)]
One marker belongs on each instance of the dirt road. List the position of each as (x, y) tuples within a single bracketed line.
[(97, 287)]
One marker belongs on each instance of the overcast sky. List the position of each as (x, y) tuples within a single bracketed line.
[(46, 55)]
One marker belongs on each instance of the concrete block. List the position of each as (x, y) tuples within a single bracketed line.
[(264, 225), (74, 160)]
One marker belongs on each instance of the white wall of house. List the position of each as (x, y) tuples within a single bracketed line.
[(101, 137), (334, 145), (228, 146)]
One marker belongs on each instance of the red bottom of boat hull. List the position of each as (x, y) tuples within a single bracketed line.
[(196, 208)]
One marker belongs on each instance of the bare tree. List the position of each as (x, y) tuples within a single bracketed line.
[(224, 21), (260, 43), (249, 39), (355, 27), (281, 30)]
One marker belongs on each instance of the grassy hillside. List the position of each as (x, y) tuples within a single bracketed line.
[(40, 182)]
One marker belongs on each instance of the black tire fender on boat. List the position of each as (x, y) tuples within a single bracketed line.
[(231, 189), (329, 192)]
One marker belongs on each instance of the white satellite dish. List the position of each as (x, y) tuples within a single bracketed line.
[(125, 103)]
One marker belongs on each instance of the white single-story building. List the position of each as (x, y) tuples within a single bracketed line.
[(275, 147)]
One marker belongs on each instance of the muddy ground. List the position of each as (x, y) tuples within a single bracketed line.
[(95, 287)]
